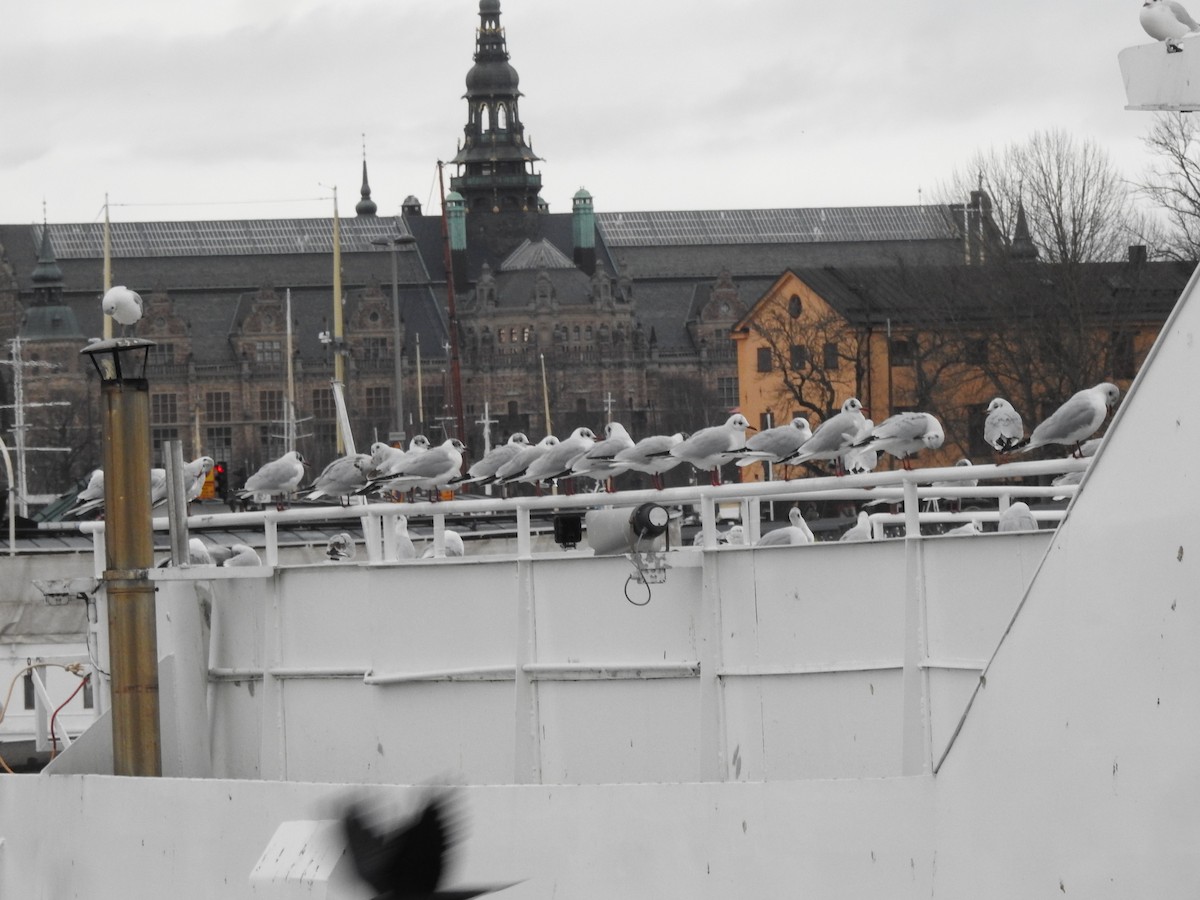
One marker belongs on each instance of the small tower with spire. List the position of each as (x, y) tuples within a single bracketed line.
[(1022, 246), (48, 318), (366, 206)]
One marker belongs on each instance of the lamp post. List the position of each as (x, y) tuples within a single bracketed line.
[(397, 346), (129, 554)]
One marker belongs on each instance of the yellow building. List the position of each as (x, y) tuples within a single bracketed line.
[(946, 340)]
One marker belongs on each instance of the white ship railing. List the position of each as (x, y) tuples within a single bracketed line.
[(908, 489)]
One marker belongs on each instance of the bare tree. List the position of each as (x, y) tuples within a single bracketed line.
[(1077, 206), (816, 359), (1172, 181)]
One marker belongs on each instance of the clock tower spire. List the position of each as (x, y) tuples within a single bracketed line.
[(495, 164)]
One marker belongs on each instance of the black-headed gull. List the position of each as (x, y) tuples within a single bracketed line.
[(435, 468), (385, 458), (556, 462), (1167, 20), (278, 478), (95, 492), (340, 547), (91, 497), (194, 475), (652, 456), (860, 460), (1017, 517), (599, 460), (775, 444), (1077, 419), (860, 530), (794, 534), (124, 305), (343, 477), (453, 544), (241, 555), (834, 436), (709, 447), (404, 542), (523, 458), (484, 470), (1003, 429), (904, 434)]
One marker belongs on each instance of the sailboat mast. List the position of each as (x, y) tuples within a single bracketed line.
[(452, 316), (339, 360), (108, 322), (290, 411)]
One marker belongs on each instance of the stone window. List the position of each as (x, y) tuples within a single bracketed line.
[(375, 349), (323, 406), (164, 408), (270, 406), (158, 437), (379, 402), (727, 392), (268, 353), (217, 407), (161, 354), (218, 442)]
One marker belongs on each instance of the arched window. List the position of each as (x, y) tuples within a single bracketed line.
[(512, 335), (501, 117), (525, 334), (576, 332), (587, 334), (794, 307), (485, 118)]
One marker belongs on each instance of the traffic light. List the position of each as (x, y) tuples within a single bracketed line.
[(219, 480)]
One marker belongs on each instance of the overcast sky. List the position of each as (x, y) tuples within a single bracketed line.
[(189, 111)]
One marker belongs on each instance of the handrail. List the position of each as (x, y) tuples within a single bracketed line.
[(885, 487)]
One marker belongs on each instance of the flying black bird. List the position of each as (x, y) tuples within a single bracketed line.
[(408, 862)]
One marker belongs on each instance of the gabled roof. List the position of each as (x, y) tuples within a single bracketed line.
[(536, 255)]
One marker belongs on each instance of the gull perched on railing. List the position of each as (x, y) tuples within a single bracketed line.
[(277, 478), (433, 469), (833, 437), (772, 445), (1003, 429), (651, 456), (556, 462), (516, 467), (598, 461), (342, 478), (1077, 419), (484, 470), (710, 447), (905, 434)]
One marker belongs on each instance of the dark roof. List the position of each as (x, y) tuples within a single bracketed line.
[(777, 226), (874, 294)]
